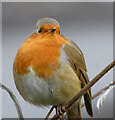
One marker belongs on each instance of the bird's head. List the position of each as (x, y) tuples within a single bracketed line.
[(47, 25), (47, 31)]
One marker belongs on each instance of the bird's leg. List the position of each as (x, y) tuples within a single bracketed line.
[(60, 111)]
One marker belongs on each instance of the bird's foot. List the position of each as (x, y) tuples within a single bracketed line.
[(60, 111)]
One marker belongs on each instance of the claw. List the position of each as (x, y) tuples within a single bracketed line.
[(60, 111)]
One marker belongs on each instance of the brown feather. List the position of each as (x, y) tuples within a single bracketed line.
[(76, 58), (87, 96)]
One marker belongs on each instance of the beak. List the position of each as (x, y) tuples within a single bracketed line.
[(52, 30)]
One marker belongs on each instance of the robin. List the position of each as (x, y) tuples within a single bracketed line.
[(50, 69)]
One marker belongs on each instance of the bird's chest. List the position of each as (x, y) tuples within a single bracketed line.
[(58, 86), (43, 59)]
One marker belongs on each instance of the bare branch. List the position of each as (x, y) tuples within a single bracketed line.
[(101, 92), (49, 113), (18, 108), (87, 87)]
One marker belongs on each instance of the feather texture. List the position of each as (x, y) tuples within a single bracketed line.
[(76, 58)]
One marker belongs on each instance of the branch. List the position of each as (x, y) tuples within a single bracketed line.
[(18, 108), (87, 87), (100, 92), (46, 118)]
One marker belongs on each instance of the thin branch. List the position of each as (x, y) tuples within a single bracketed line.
[(46, 118), (87, 87), (100, 92), (18, 108)]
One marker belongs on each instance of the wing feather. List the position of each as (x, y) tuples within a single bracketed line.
[(76, 58)]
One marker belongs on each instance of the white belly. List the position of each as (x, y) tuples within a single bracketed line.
[(54, 91)]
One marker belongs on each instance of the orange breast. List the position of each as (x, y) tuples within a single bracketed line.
[(41, 52)]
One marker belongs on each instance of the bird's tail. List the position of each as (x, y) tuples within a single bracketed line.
[(74, 112)]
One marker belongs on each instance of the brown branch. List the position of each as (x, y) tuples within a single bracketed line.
[(14, 100), (100, 92), (46, 118), (87, 87)]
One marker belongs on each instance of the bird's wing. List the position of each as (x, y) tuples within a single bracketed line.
[(76, 58)]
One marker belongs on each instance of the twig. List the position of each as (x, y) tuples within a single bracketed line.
[(87, 87), (14, 100), (100, 92), (46, 118)]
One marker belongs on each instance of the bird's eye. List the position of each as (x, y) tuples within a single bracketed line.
[(59, 32), (40, 30)]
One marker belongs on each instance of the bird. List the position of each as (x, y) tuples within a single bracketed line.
[(50, 69)]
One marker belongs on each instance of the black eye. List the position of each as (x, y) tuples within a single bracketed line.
[(40, 30), (59, 32)]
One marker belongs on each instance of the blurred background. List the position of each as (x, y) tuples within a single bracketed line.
[(0, 58), (89, 25)]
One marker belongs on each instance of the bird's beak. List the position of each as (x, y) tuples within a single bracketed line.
[(52, 30)]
